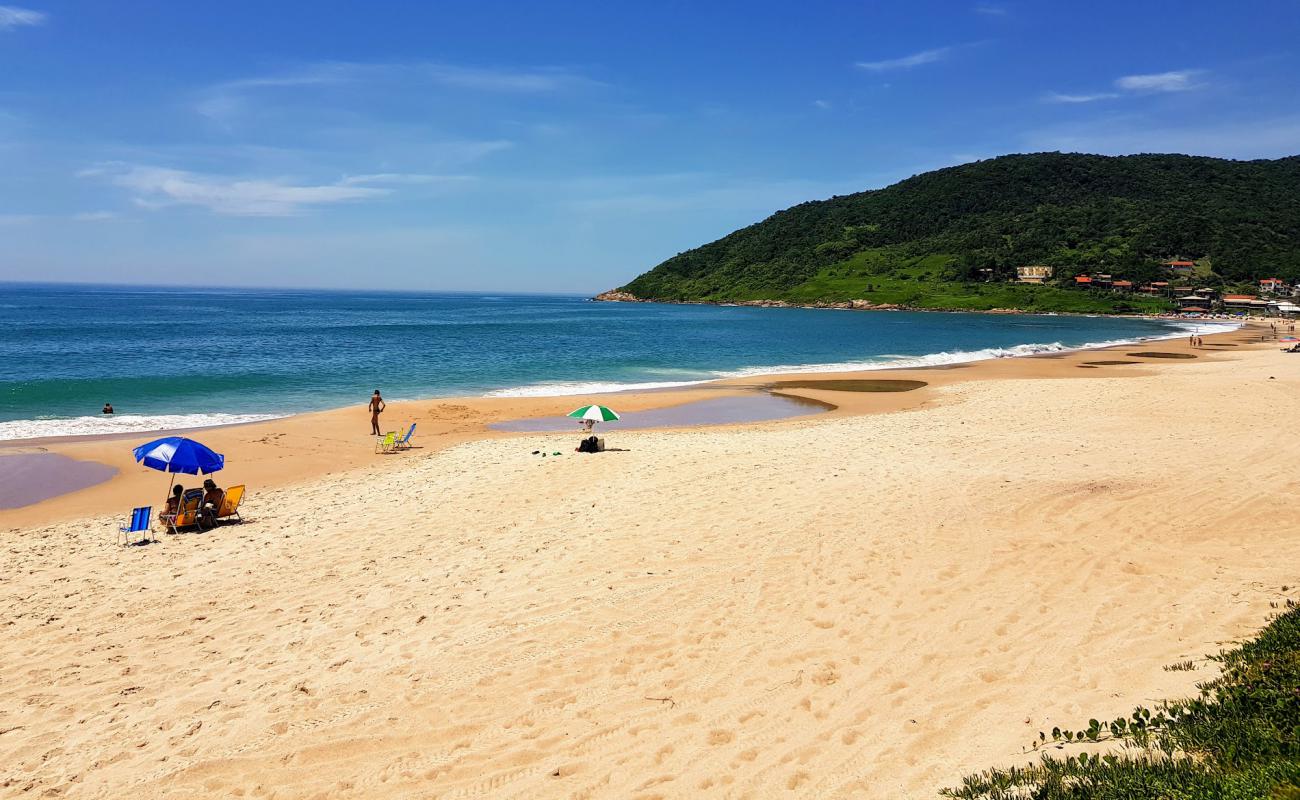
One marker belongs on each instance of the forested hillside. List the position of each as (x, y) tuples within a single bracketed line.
[(960, 233)]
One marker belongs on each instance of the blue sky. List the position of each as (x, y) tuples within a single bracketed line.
[(563, 146)]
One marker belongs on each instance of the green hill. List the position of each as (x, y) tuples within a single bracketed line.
[(952, 238)]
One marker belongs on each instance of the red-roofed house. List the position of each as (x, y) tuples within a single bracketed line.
[(1182, 267), (1244, 302), (1273, 285), (1083, 280), (1122, 286)]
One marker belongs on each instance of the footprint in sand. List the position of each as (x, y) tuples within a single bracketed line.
[(721, 737)]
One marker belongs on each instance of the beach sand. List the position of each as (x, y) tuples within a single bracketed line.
[(847, 605)]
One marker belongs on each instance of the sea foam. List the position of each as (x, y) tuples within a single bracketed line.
[(559, 389), (102, 424)]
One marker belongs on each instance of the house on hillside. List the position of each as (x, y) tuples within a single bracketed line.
[(1083, 281), (1272, 285), (1122, 286), (1244, 304), (1181, 267), (1101, 281), (1193, 303), (1283, 308), (1037, 273)]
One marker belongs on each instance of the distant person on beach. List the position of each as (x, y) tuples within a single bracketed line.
[(108, 408), (376, 408)]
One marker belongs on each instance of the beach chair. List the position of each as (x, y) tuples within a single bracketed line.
[(404, 442), (139, 524), (386, 443), (188, 516), (230, 504)]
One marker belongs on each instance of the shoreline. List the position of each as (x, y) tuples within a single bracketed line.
[(602, 388), (615, 296), (300, 448)]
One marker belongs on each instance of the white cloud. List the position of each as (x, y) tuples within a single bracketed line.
[(159, 187), (1175, 81), (544, 79), (990, 10), (822, 104), (906, 62), (403, 177), (94, 216), (13, 17), (335, 73), (323, 83), (1059, 97)]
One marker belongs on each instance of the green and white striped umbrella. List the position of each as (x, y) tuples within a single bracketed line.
[(597, 413)]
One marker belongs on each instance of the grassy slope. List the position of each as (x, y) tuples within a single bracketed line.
[(929, 241), (914, 282), (1239, 739)]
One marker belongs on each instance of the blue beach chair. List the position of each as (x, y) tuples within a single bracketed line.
[(404, 442), (139, 523)]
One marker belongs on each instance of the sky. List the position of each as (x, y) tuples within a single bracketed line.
[(563, 146)]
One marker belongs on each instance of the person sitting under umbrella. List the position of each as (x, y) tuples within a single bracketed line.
[(173, 504), (211, 504)]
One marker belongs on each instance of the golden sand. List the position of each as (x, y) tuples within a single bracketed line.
[(848, 605)]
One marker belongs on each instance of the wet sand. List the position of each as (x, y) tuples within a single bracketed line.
[(1156, 354), (863, 385), (28, 478)]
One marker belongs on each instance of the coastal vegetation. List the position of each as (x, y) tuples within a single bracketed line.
[(953, 238), (1239, 738)]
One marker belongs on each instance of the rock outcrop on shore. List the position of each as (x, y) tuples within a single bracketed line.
[(618, 297)]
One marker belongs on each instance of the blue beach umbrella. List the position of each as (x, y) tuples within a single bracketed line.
[(177, 454)]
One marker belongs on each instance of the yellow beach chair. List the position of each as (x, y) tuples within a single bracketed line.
[(187, 516), (386, 443), (230, 504)]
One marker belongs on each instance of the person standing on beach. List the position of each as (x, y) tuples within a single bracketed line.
[(376, 408)]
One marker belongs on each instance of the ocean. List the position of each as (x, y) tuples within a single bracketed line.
[(184, 357)]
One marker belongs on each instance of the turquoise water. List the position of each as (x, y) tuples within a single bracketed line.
[(181, 357)]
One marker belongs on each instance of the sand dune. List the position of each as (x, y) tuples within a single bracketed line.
[(863, 606)]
